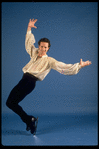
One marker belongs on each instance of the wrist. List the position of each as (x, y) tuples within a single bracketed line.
[(29, 28)]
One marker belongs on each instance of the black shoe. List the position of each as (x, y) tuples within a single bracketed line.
[(29, 120), (32, 126)]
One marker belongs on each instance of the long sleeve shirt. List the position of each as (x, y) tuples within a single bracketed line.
[(40, 67)]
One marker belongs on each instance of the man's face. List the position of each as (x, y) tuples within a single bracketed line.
[(43, 48)]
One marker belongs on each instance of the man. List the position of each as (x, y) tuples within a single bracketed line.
[(37, 69)]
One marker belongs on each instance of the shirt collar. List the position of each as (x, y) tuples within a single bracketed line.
[(45, 55)]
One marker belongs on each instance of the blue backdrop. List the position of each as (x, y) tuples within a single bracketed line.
[(72, 28)]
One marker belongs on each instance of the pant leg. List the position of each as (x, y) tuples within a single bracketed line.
[(18, 93)]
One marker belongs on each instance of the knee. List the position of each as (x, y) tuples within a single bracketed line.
[(8, 104)]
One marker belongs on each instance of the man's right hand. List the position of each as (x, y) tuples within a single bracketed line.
[(31, 24)]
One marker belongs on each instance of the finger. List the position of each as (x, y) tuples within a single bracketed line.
[(35, 27), (35, 20), (90, 62), (32, 19), (80, 61)]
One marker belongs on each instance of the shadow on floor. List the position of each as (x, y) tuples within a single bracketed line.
[(14, 132), (55, 123)]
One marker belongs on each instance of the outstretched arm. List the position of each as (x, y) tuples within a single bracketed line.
[(67, 69), (30, 39)]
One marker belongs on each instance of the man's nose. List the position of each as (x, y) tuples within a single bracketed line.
[(43, 49)]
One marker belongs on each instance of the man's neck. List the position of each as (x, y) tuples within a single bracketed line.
[(40, 55)]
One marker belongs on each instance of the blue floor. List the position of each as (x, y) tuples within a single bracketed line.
[(53, 129)]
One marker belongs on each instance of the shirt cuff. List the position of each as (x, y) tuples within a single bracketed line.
[(29, 32), (80, 66)]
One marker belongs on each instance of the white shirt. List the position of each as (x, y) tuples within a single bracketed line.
[(41, 67)]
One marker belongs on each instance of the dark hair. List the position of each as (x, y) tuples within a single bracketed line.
[(44, 40)]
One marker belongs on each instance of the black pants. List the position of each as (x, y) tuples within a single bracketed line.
[(18, 93)]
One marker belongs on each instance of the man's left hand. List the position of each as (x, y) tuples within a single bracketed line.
[(86, 63)]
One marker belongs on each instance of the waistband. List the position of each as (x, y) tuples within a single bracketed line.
[(30, 76)]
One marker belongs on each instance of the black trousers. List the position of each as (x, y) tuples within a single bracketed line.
[(18, 93)]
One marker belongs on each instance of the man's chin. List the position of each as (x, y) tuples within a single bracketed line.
[(40, 55)]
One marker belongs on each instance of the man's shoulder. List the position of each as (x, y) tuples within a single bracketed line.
[(51, 60)]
